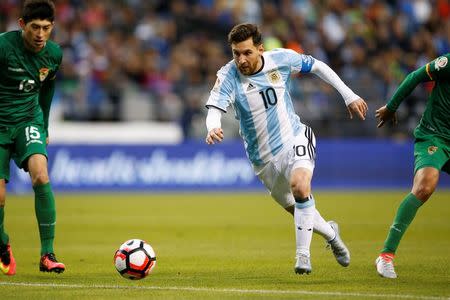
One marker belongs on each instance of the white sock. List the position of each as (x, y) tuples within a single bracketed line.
[(304, 223), (322, 227)]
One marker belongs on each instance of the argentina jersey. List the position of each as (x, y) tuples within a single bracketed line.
[(262, 102)]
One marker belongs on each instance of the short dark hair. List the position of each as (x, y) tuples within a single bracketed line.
[(243, 32), (38, 10)]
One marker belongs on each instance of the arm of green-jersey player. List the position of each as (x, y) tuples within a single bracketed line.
[(407, 86), (45, 100), (387, 112)]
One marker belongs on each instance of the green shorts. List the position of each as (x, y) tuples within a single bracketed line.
[(433, 152), (19, 143)]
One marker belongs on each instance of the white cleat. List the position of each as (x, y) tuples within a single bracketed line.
[(302, 265), (338, 247), (385, 267)]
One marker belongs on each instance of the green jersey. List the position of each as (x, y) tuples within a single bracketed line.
[(26, 80), (436, 118)]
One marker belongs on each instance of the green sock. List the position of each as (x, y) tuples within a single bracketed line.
[(405, 214), (46, 216), (4, 238)]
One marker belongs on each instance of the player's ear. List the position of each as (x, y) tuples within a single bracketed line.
[(21, 23), (261, 48)]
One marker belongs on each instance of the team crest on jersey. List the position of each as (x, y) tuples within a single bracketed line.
[(274, 76), (440, 63), (432, 150), (43, 73)]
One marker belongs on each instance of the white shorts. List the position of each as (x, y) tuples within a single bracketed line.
[(276, 174)]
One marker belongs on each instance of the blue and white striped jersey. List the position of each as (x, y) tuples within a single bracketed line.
[(261, 102)]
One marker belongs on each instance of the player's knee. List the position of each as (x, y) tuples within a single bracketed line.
[(425, 182), (39, 178), (300, 189), (423, 192)]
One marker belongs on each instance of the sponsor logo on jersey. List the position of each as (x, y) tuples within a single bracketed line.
[(432, 150), (274, 76), (18, 70), (250, 87), (440, 63), (43, 73)]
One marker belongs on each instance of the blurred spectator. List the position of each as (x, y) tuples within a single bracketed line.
[(155, 60)]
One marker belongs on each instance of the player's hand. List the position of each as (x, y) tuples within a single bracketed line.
[(47, 141), (358, 107), (385, 115), (214, 135)]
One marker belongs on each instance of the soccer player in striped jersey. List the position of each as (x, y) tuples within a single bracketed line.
[(280, 147), (28, 64), (431, 150)]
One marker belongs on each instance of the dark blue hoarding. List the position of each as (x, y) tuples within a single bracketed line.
[(352, 164)]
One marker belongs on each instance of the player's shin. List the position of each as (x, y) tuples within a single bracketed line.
[(46, 216), (405, 214), (304, 223), (3, 236)]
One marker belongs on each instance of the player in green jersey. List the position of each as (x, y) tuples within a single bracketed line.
[(28, 64), (431, 150)]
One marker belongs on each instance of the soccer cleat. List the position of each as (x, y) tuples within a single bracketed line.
[(7, 261), (302, 265), (50, 264), (338, 247), (385, 265)]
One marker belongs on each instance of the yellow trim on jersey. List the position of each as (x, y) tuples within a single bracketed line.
[(427, 68)]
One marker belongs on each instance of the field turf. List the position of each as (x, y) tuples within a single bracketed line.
[(227, 246)]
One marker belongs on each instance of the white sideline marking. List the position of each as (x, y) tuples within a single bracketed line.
[(237, 291)]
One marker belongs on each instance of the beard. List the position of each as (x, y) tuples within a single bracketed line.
[(247, 69)]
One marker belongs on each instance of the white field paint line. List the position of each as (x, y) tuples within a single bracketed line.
[(218, 290)]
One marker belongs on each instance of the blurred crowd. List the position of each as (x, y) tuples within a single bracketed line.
[(156, 60)]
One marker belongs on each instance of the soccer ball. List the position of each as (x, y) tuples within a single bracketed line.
[(135, 259)]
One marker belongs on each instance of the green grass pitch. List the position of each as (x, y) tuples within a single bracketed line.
[(227, 246)]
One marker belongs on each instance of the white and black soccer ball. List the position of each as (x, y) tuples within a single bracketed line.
[(135, 259)]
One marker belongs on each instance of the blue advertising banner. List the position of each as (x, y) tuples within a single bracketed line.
[(354, 164)]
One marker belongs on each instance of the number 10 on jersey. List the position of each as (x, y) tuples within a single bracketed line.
[(269, 97)]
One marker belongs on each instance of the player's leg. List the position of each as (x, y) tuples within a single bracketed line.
[(321, 226), (45, 212), (7, 262), (425, 181), (4, 238), (300, 172), (303, 217), (330, 232), (31, 155), (430, 157), (279, 188)]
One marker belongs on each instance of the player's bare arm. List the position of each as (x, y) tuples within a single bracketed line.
[(214, 136), (358, 107), (383, 114)]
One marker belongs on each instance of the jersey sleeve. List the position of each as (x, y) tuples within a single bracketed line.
[(432, 71), (300, 63), (222, 93), (438, 68), (48, 89), (58, 62)]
